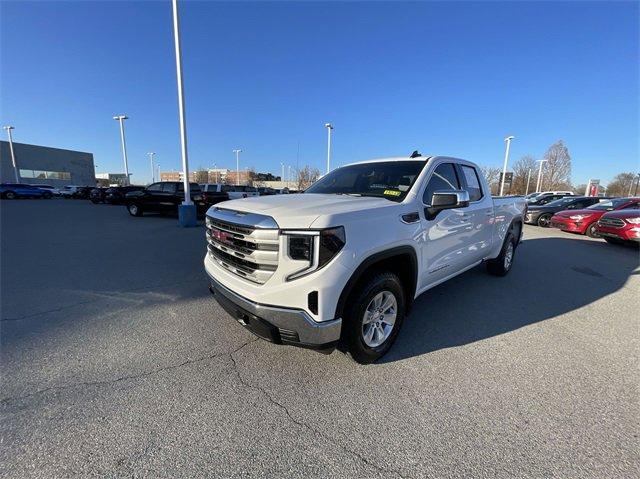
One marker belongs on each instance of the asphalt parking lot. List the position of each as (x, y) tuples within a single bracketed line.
[(116, 361)]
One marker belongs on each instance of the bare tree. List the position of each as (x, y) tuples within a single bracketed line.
[(307, 176), (621, 184), (521, 170), (557, 169), (580, 189), (492, 175)]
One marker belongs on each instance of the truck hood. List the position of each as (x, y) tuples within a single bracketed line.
[(302, 210)]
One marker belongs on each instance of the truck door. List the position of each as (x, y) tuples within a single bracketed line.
[(480, 214), (445, 238)]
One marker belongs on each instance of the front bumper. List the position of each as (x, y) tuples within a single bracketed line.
[(567, 224), (531, 218), (276, 324), (626, 234)]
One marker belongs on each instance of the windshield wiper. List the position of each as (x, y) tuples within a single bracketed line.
[(349, 194)]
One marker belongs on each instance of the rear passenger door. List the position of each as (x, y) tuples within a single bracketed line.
[(480, 214)]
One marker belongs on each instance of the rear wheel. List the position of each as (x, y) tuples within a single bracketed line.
[(501, 265), (134, 209), (544, 220), (47, 196), (10, 195), (591, 231), (374, 318)]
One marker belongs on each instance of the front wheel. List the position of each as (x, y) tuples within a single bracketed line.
[(591, 231), (501, 265), (134, 209), (10, 195), (374, 318), (47, 196), (544, 220)]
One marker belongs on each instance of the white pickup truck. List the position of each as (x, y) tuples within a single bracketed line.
[(344, 261)]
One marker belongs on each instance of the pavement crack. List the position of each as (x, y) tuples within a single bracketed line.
[(293, 419), (125, 378)]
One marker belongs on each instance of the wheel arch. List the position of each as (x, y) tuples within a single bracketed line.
[(387, 260)]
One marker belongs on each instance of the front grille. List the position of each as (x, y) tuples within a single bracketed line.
[(611, 222), (250, 253)]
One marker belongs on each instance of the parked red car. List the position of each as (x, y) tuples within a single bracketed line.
[(621, 226), (585, 221)]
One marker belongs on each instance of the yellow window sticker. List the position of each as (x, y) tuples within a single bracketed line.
[(392, 192)]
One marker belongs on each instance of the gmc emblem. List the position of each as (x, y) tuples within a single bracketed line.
[(222, 236)]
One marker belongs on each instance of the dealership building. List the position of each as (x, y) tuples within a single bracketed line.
[(46, 165)]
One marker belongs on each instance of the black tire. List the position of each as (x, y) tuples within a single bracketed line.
[(47, 196), (500, 266), (353, 327), (95, 202), (10, 195), (134, 209), (544, 220), (591, 230)]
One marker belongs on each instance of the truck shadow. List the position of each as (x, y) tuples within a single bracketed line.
[(550, 277)]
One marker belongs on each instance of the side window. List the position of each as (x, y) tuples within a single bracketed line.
[(472, 183), (227, 188), (632, 206), (169, 187), (153, 187), (443, 178)]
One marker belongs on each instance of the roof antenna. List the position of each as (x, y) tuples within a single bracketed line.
[(415, 154)]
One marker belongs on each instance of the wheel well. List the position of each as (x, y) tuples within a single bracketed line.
[(401, 261), (516, 230)]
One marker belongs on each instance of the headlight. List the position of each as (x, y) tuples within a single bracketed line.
[(633, 221), (315, 248), (579, 217)]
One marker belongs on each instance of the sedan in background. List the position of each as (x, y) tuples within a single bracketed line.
[(585, 221), (620, 227), (51, 189), (97, 195), (11, 191), (541, 214), (544, 199)]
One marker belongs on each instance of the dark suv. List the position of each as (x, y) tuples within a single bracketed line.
[(164, 198), (541, 214)]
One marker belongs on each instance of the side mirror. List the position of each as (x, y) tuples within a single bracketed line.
[(446, 200)]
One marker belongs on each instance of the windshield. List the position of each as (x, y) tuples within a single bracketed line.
[(609, 204), (561, 201), (385, 179)]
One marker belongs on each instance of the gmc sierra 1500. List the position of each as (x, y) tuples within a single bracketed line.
[(345, 260)]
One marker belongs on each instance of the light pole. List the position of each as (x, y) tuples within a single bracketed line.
[(8, 128), (282, 176), (329, 127), (539, 183), (158, 171), (289, 177), (153, 170), (635, 193), (187, 215), (120, 119), (528, 179), (237, 152), (506, 159)]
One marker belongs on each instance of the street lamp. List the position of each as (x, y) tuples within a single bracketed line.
[(289, 177), (329, 127), (153, 171), (13, 155), (282, 166), (528, 179), (237, 152), (539, 183), (506, 159), (120, 119), (187, 215)]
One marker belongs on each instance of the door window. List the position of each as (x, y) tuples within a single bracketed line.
[(444, 177), (154, 187), (472, 183), (169, 188)]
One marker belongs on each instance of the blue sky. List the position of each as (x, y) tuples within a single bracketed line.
[(444, 78)]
